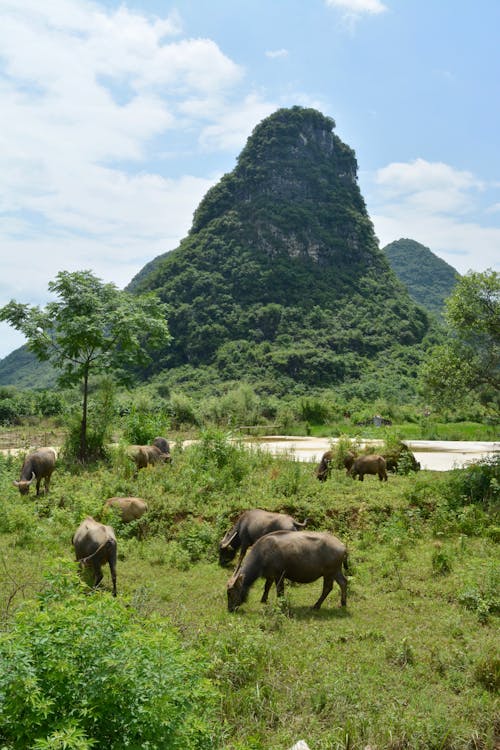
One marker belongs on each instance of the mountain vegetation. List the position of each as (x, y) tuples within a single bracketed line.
[(280, 280), (429, 279)]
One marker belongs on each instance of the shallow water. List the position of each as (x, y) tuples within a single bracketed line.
[(435, 455)]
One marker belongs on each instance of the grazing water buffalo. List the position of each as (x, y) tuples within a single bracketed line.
[(162, 444), (302, 558), (324, 467), (95, 545), (146, 455), (250, 526), (369, 465), (131, 508), (38, 465)]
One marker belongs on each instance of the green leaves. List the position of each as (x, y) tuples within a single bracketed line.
[(85, 671)]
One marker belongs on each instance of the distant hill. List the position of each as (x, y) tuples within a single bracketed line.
[(280, 281), (429, 279), (22, 369)]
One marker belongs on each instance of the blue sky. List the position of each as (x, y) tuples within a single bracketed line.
[(116, 119)]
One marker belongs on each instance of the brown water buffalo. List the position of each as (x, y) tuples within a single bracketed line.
[(131, 508), (95, 545), (38, 465), (369, 464), (146, 455), (250, 526), (301, 558), (349, 459)]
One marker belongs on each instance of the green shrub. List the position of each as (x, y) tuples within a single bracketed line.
[(477, 483), (142, 425), (80, 672)]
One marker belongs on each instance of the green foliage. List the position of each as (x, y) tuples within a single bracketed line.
[(429, 279), (469, 360), (477, 483), (142, 424), (80, 672), (92, 328), (287, 291)]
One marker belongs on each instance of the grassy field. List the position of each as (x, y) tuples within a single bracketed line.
[(411, 662)]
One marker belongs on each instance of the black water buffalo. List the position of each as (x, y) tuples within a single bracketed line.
[(301, 558), (324, 467), (369, 464), (162, 444), (38, 465), (130, 508), (95, 545), (250, 526)]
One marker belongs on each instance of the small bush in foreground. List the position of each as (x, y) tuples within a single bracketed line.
[(81, 672)]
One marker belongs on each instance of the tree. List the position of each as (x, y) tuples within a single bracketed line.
[(468, 362), (92, 328)]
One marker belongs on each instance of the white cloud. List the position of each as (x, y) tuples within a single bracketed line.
[(430, 202), (232, 130), (90, 98), (275, 53), (357, 7)]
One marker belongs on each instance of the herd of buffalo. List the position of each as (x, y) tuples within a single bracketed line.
[(276, 551)]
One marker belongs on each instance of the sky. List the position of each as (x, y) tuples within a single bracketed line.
[(115, 119)]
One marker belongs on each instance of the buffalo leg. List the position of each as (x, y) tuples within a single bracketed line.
[(342, 582), (327, 587), (112, 565), (98, 576), (267, 587)]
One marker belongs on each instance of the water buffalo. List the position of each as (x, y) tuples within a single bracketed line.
[(250, 526), (130, 508), (162, 444), (369, 464), (38, 465), (324, 466), (95, 545), (146, 455), (301, 558)]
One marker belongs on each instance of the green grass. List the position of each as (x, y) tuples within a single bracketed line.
[(411, 662), (424, 430)]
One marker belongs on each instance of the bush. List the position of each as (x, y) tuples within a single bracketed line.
[(87, 672), (143, 425), (478, 483)]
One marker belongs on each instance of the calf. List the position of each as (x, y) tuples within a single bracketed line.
[(95, 545), (38, 465), (301, 558)]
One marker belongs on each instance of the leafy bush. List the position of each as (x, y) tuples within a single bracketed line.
[(478, 483), (143, 425), (87, 672)]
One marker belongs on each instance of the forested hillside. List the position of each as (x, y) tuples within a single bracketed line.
[(429, 279), (281, 276)]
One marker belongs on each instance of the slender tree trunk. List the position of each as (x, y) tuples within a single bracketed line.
[(83, 431)]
